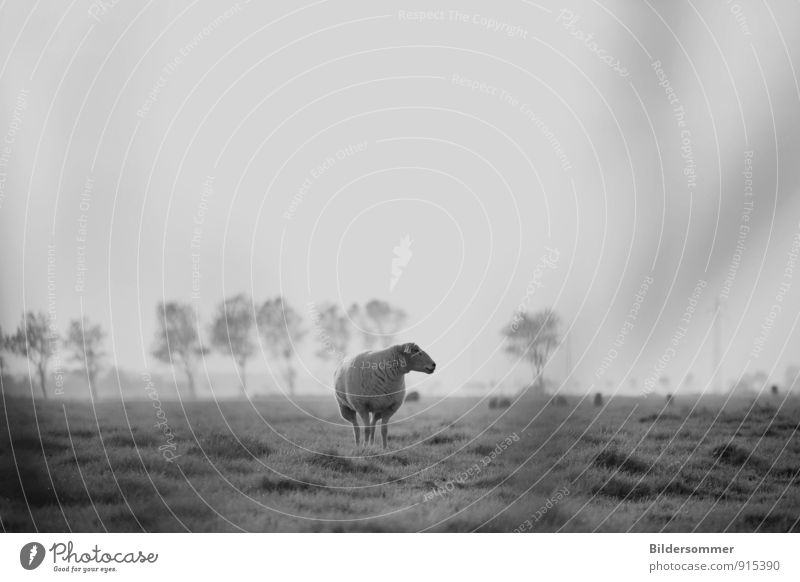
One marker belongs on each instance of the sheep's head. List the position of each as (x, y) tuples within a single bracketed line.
[(418, 360)]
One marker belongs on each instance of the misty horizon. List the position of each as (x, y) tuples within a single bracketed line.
[(197, 181)]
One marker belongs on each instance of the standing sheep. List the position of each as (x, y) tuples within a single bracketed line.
[(374, 382)]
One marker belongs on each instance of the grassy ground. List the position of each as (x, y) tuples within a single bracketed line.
[(272, 466)]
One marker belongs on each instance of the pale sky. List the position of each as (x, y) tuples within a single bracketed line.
[(298, 144)]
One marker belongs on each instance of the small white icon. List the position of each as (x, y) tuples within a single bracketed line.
[(402, 255)]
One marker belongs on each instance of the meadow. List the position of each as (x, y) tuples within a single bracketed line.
[(633, 464)]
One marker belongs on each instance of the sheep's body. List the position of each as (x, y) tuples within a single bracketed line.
[(373, 383)]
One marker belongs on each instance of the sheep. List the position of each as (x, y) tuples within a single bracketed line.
[(374, 383), (499, 402)]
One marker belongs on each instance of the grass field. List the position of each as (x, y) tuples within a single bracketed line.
[(453, 465)]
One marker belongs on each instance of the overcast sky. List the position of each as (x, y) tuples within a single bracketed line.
[(552, 155)]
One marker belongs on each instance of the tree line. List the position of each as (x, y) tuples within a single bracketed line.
[(236, 325)]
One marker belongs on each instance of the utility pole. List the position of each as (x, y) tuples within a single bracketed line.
[(718, 307)]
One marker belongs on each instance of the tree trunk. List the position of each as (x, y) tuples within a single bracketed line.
[(43, 380), (537, 383), (290, 378), (92, 387), (243, 376), (190, 380)]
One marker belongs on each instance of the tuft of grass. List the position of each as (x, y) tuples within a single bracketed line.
[(331, 460), (619, 461), (398, 459), (770, 522), (623, 487), (228, 446), (734, 454), (598, 439), (677, 488), (482, 450), (280, 485), (445, 438), (785, 472)]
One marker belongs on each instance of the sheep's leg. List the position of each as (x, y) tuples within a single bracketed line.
[(385, 431), (375, 418), (350, 415), (367, 427), (385, 416)]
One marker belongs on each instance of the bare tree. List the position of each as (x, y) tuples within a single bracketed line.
[(232, 332), (280, 326), (333, 331), (84, 341), (35, 341), (379, 322), (177, 340), (5, 346), (532, 337)]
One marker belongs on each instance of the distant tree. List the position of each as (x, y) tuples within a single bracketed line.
[(232, 332), (84, 341), (532, 337), (333, 331), (35, 341), (5, 346), (774, 389), (598, 399), (379, 322), (281, 327), (177, 340)]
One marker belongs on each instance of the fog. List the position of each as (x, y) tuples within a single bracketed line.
[(631, 166)]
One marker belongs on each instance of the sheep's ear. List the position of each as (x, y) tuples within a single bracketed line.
[(407, 348)]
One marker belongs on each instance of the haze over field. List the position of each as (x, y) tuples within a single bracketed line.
[(200, 151)]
